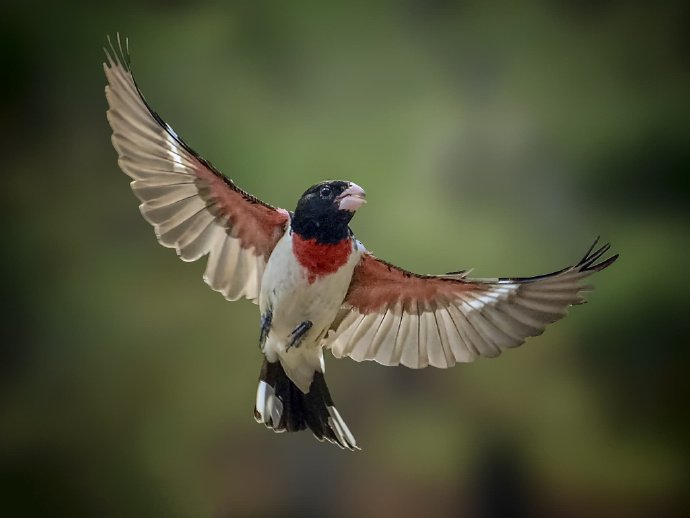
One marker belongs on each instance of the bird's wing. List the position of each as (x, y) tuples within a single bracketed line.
[(191, 205), (397, 317)]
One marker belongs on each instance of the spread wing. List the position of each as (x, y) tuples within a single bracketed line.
[(397, 317), (191, 205)]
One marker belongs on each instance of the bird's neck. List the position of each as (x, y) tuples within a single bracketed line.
[(325, 230)]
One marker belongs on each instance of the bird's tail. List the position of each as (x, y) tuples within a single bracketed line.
[(282, 406)]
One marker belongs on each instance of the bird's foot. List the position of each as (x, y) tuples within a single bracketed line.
[(298, 333), (266, 320)]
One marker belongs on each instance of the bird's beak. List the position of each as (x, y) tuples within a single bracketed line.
[(352, 198)]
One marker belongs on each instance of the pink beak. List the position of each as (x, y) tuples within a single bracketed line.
[(352, 198)]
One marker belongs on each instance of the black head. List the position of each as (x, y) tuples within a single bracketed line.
[(325, 209)]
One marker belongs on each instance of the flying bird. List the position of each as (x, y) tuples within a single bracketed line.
[(316, 285)]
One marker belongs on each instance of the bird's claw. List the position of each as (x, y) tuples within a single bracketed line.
[(266, 320), (298, 334)]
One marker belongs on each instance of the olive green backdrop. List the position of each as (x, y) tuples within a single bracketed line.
[(492, 135)]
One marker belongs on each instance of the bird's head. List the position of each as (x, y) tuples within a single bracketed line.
[(325, 209)]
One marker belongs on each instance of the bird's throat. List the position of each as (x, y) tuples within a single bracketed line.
[(320, 258)]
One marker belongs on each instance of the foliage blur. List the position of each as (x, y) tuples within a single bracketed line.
[(492, 134)]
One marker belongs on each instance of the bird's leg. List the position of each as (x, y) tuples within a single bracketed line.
[(298, 333), (266, 320)]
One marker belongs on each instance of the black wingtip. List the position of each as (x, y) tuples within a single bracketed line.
[(608, 262), (589, 262), (589, 251)]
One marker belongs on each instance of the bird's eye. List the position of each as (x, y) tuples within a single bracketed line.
[(325, 192)]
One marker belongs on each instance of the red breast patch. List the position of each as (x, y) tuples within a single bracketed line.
[(320, 259)]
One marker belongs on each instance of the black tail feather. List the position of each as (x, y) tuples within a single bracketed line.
[(281, 406)]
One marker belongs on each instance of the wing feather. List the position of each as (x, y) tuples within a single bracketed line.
[(419, 320), (409, 350), (191, 205)]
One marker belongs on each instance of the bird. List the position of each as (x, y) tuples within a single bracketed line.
[(316, 285)]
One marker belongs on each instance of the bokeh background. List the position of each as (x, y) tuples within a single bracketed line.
[(490, 134)]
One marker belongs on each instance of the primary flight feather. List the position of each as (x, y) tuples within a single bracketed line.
[(315, 283)]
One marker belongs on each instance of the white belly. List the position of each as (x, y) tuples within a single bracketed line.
[(287, 292)]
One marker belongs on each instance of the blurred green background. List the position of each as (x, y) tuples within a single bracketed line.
[(487, 134)]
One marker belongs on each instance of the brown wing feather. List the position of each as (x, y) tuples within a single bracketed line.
[(377, 284), (192, 206), (419, 320)]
